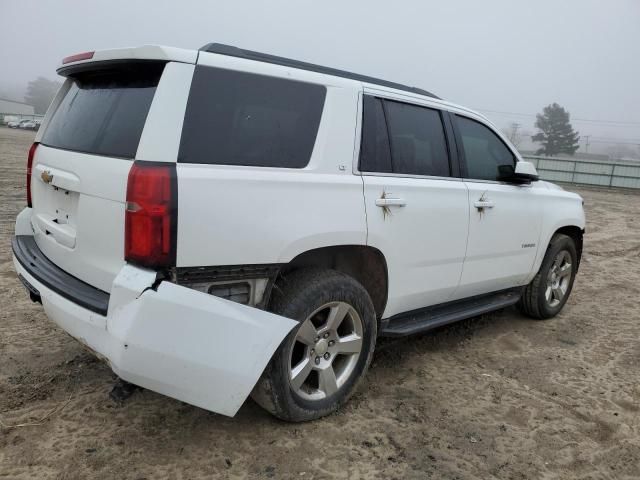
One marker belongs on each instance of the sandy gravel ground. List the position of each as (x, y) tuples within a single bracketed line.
[(494, 397)]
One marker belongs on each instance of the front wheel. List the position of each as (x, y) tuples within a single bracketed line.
[(549, 290), (320, 363)]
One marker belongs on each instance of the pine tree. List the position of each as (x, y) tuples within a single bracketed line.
[(556, 133)]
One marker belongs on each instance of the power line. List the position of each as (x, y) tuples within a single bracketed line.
[(615, 142), (506, 113), (616, 139), (573, 119)]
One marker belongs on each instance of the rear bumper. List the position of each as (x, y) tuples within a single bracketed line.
[(182, 343), (26, 251)]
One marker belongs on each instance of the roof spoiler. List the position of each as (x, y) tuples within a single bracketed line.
[(154, 53)]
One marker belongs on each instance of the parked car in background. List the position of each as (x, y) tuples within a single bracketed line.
[(219, 223), (18, 123), (30, 125)]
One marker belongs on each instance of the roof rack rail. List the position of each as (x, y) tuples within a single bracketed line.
[(232, 51)]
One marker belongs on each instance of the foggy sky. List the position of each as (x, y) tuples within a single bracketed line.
[(505, 55)]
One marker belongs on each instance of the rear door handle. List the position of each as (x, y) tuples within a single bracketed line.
[(483, 204), (391, 202)]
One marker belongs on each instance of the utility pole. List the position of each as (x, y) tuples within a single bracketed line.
[(515, 126), (513, 133), (586, 143)]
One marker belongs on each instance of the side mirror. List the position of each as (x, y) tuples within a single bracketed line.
[(522, 173)]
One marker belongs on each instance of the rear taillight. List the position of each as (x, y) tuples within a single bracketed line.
[(32, 152), (151, 215)]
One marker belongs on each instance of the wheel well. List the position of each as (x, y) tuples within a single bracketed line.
[(577, 234), (365, 264)]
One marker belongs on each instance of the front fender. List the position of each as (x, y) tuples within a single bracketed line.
[(561, 210)]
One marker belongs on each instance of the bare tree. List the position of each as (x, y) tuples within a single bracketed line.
[(40, 92)]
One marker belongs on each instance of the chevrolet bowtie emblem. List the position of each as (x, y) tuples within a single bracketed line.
[(46, 176)]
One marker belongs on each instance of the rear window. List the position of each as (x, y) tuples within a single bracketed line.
[(402, 138), (418, 144), (238, 118), (104, 111)]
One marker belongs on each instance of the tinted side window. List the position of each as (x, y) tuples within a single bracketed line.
[(484, 152), (238, 118), (418, 144), (104, 111), (375, 153)]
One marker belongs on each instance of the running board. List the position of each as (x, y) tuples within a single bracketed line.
[(432, 317)]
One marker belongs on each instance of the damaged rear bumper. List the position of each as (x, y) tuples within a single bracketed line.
[(185, 344)]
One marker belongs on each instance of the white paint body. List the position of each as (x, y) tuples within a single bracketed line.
[(210, 352)]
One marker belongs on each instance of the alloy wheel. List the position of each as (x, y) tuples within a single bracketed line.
[(558, 278), (325, 351)]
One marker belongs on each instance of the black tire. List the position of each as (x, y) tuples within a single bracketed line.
[(534, 302), (298, 295)]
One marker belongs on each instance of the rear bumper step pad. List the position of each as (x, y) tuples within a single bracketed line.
[(49, 274)]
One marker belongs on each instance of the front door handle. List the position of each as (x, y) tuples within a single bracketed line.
[(391, 202), (480, 204)]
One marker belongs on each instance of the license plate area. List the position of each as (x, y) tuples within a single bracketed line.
[(55, 214), (63, 205), (56, 194)]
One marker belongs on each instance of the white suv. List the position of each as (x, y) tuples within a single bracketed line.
[(219, 223)]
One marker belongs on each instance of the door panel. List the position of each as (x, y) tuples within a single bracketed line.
[(417, 215), (504, 226), (423, 241), (504, 219)]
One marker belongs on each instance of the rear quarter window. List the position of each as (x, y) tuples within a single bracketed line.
[(104, 111), (239, 118)]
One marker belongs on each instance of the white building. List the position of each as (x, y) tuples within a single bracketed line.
[(12, 110)]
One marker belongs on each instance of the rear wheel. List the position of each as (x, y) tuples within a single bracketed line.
[(549, 290), (320, 363)]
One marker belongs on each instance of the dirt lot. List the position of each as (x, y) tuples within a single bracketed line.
[(495, 397)]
